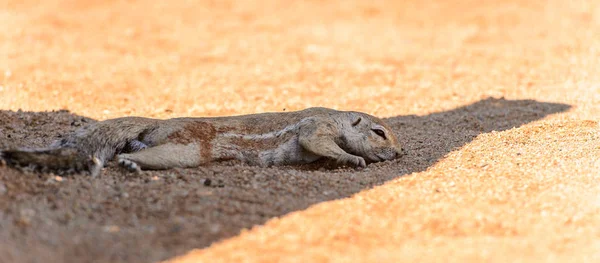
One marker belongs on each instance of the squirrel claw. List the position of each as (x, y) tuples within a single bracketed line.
[(130, 165)]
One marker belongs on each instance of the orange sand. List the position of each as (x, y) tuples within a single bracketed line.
[(524, 194)]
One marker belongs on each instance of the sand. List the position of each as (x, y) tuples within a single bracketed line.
[(496, 102)]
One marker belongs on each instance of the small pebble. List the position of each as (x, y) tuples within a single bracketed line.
[(111, 229), (207, 182)]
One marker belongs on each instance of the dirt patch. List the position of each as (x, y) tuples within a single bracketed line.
[(462, 192), (122, 217)]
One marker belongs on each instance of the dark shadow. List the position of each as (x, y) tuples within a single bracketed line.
[(157, 215)]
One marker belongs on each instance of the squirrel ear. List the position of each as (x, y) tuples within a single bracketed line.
[(356, 121)]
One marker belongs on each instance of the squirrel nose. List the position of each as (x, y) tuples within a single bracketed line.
[(400, 152)]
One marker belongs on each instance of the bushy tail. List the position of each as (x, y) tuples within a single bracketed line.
[(86, 149), (57, 160)]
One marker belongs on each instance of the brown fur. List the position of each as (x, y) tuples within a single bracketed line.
[(202, 132), (264, 139)]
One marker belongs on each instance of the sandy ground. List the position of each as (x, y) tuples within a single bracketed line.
[(496, 103)]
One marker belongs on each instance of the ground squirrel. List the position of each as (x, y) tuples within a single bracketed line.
[(265, 139)]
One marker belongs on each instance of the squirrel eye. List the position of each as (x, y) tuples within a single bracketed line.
[(380, 133), (356, 122)]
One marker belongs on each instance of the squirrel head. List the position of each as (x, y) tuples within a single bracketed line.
[(370, 137)]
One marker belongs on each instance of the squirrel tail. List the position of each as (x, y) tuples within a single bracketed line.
[(62, 160)]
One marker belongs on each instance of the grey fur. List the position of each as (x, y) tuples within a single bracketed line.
[(266, 139)]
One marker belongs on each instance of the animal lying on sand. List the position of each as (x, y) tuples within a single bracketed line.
[(265, 139)]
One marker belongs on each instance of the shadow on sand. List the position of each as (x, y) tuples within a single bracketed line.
[(160, 214)]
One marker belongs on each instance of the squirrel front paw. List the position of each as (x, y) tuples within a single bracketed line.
[(353, 160)]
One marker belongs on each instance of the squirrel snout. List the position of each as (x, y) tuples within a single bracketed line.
[(400, 152)]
